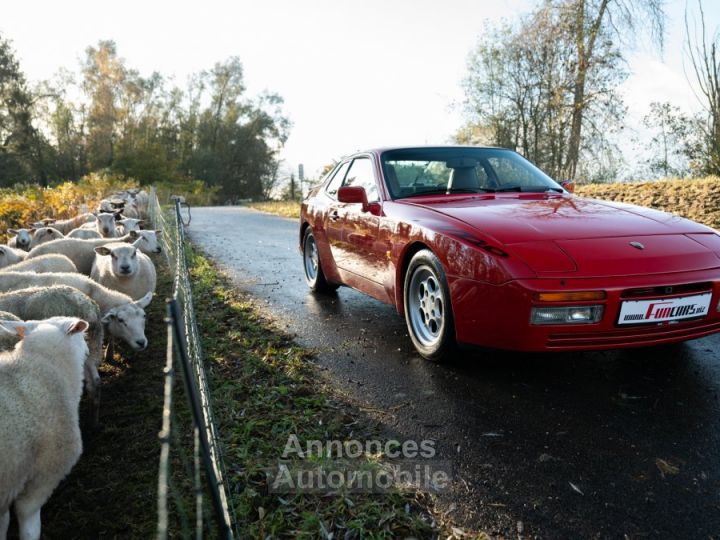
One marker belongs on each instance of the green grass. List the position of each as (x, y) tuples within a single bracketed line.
[(289, 209), (265, 389)]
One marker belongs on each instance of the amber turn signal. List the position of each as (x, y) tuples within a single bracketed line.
[(570, 296)]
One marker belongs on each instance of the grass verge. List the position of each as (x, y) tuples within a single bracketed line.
[(289, 209), (265, 389)]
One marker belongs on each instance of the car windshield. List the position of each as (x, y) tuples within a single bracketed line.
[(412, 172)]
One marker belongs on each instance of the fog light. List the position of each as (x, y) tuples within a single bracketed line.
[(566, 315)]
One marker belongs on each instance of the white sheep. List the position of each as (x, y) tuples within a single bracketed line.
[(10, 256), (80, 252), (42, 235), (21, 238), (124, 268), (147, 241), (105, 224), (53, 262), (66, 225), (125, 318), (84, 234), (37, 303), (142, 200), (130, 224), (40, 389)]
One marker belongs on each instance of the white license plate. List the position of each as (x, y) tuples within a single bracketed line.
[(663, 310)]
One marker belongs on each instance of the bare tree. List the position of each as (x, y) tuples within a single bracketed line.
[(704, 55), (590, 20)]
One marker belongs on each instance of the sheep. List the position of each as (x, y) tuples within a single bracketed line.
[(45, 234), (113, 205), (130, 224), (131, 211), (66, 225), (21, 238), (105, 224), (122, 267), (84, 234), (40, 389), (80, 252), (124, 318), (43, 264), (147, 241), (142, 202), (10, 256), (37, 303)]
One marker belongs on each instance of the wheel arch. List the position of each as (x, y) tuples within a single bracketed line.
[(303, 228), (405, 259)]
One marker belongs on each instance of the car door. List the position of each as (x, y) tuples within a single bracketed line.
[(332, 222), (355, 245)]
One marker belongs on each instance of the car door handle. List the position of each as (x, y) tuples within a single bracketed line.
[(334, 216)]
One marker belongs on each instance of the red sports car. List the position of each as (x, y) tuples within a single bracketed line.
[(477, 246)]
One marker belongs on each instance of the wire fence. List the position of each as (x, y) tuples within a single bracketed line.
[(191, 470)]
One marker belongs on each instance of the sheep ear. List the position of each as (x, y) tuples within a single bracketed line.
[(134, 235), (123, 221), (109, 316), (145, 300), (158, 231), (102, 250), (141, 222), (2, 250), (78, 325), (12, 231)]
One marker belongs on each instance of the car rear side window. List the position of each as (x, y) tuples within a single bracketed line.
[(337, 180), (361, 174)]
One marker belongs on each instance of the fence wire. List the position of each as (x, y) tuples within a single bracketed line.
[(191, 466)]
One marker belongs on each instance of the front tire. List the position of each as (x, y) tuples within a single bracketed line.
[(314, 276), (428, 311)]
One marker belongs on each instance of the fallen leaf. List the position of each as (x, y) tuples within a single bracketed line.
[(666, 467)]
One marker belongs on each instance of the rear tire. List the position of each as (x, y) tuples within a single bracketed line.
[(428, 311), (314, 275)]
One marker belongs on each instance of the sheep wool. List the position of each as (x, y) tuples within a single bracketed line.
[(40, 441), (38, 303), (80, 252), (124, 268), (43, 264)]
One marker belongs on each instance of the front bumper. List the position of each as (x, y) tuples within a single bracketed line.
[(498, 316)]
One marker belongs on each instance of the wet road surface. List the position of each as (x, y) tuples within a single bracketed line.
[(571, 445)]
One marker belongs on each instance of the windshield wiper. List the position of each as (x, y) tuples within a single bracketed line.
[(521, 189), (465, 190), (500, 190)]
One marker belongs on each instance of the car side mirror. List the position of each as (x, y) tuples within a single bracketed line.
[(353, 195), (568, 185)]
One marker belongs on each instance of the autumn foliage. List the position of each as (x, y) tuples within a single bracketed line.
[(698, 199), (23, 204)]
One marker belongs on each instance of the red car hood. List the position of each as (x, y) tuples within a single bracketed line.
[(561, 233)]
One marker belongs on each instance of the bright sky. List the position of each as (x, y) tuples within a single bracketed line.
[(354, 74)]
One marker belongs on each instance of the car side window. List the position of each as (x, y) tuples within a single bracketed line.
[(361, 174), (337, 180)]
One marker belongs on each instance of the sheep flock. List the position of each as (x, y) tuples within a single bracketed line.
[(67, 287)]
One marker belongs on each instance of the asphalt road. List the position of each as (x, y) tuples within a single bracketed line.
[(602, 444)]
